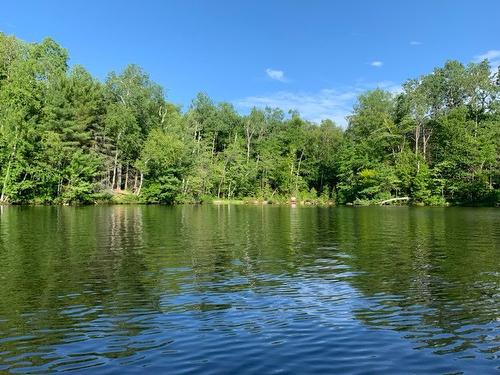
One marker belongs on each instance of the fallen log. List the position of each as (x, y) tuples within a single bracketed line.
[(394, 200)]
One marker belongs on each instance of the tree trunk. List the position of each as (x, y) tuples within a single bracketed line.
[(7, 173), (140, 184), (126, 178), (417, 140), (119, 178), (425, 142), (59, 186), (417, 134), (221, 182), (249, 135), (115, 164), (213, 144), (298, 172), (248, 149), (394, 200)]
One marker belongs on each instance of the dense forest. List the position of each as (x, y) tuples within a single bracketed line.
[(66, 137)]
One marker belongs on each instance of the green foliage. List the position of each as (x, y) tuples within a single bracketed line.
[(164, 189), (67, 138), (79, 177)]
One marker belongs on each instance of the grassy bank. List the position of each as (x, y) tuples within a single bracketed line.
[(124, 197)]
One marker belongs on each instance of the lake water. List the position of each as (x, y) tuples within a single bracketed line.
[(257, 290)]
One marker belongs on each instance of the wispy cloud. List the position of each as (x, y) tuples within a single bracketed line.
[(490, 55), (390, 86), (493, 56), (277, 75), (415, 43), (376, 63), (328, 103)]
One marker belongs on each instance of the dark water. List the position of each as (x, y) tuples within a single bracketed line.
[(234, 289)]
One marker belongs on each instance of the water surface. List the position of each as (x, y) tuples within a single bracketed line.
[(236, 289)]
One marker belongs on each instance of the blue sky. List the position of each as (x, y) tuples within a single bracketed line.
[(315, 56)]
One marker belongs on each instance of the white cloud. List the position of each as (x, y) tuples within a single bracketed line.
[(328, 103), (376, 63), (390, 86), (277, 75), (493, 56), (315, 107), (415, 43)]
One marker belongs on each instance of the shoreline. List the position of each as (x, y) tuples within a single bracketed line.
[(244, 202)]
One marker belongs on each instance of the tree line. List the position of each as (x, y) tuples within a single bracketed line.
[(66, 137)]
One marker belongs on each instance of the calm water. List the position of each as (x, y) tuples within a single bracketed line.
[(235, 289)]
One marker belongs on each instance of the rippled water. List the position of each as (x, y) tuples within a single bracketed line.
[(235, 289)]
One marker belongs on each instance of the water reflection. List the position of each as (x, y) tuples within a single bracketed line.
[(218, 288)]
